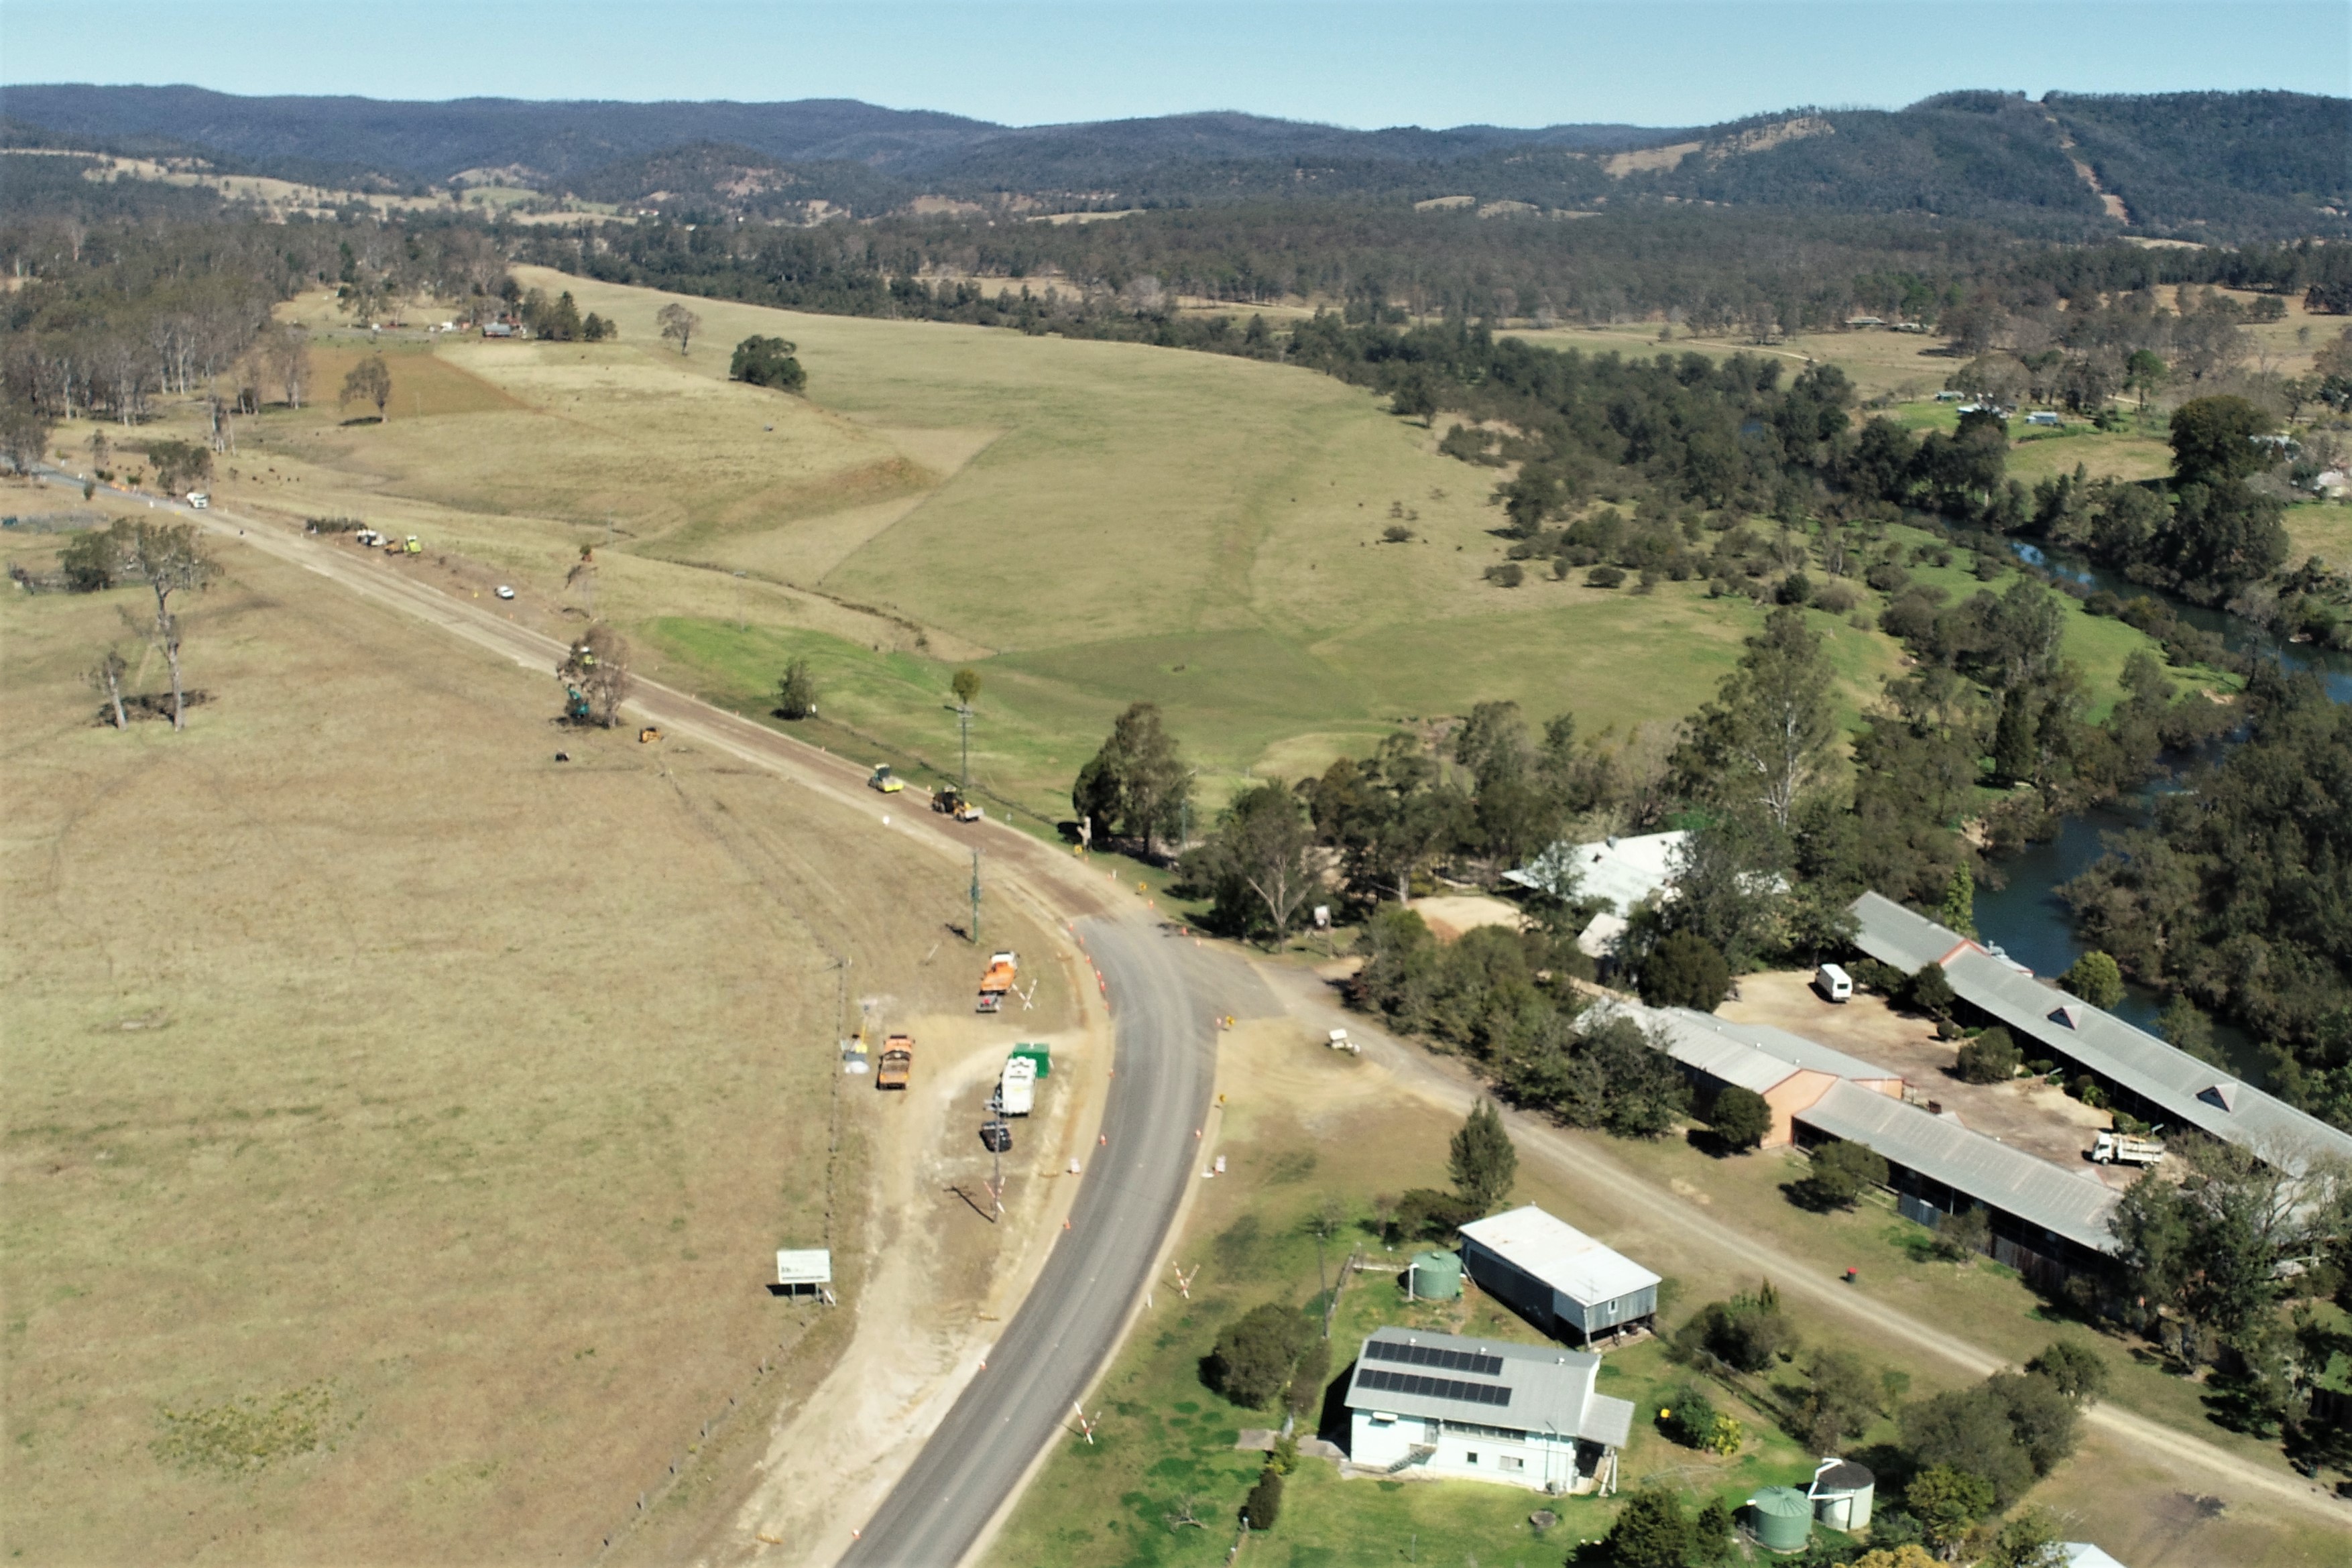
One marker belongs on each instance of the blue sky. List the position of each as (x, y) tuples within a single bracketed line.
[(1665, 62)]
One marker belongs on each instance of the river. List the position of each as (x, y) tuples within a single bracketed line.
[(2025, 918)]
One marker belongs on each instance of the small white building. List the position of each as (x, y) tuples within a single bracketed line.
[(1476, 1410), (1557, 1277)]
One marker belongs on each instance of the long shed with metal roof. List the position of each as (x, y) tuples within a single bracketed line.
[(1555, 1276), (2155, 1081), (2044, 1216)]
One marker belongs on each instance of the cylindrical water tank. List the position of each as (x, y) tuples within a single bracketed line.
[(1784, 1519), (1843, 1493), (1436, 1276)]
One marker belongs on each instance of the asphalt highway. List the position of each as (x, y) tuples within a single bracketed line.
[(1161, 987), (1065, 1331)]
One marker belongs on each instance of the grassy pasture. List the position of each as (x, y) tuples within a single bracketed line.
[(2322, 529), (398, 1122), (1088, 523)]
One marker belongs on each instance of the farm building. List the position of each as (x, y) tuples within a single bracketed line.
[(1478, 1409), (2145, 1076), (1790, 1071), (1557, 1277), (1626, 872), (2047, 1221)]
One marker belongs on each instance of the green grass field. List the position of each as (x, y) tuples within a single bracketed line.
[(1087, 524), (2322, 529)]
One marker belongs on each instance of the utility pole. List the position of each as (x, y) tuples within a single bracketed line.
[(975, 898)]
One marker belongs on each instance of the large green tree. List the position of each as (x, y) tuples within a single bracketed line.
[(1771, 729), (2218, 439), (1261, 861), (1652, 1530), (1138, 784), (1256, 1352)]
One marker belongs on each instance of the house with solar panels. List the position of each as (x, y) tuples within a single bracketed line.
[(1483, 1410)]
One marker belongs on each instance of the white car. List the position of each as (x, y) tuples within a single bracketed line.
[(199, 500), (504, 591)]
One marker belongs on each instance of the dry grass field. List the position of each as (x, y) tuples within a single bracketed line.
[(399, 1123)]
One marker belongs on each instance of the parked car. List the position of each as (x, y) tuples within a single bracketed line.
[(504, 591), (199, 499)]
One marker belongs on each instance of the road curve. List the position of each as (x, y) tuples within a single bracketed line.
[(1075, 1312), (1163, 1069)]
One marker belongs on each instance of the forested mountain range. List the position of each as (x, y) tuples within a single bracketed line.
[(2208, 166)]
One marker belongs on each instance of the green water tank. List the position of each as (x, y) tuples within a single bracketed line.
[(1436, 1276), (1782, 1517)]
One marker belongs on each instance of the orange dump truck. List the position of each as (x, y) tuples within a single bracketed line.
[(897, 1063), (1003, 969)]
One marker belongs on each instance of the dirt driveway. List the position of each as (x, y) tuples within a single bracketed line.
[(2027, 1113)]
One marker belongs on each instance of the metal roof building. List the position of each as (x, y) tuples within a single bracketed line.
[(1927, 1152), (1626, 872), (1555, 1276), (1483, 1409), (2167, 1084), (1788, 1071)]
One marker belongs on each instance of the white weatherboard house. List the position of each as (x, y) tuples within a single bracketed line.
[(1555, 1276), (1478, 1409)]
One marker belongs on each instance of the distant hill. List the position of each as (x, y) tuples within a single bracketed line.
[(2195, 165)]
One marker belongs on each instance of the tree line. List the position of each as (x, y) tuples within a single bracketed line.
[(1709, 270)]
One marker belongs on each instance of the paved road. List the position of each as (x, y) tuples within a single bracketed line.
[(1161, 987), (1077, 1309), (1164, 1059)]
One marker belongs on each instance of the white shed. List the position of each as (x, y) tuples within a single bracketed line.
[(1555, 1276)]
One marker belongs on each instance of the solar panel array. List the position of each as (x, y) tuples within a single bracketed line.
[(1383, 1382), (1431, 1355)]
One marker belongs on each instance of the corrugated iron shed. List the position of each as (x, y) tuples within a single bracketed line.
[(2010, 1179), (1564, 1257), (2177, 1086)]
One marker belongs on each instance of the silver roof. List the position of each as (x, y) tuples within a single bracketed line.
[(1893, 935), (1550, 1389), (1753, 1056), (2182, 1088), (1561, 1255), (2072, 1204)]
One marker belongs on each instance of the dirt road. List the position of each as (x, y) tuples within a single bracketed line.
[(1581, 1163), (1066, 1332)]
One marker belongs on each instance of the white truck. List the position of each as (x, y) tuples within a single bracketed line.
[(2122, 1149), (1016, 1091)]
